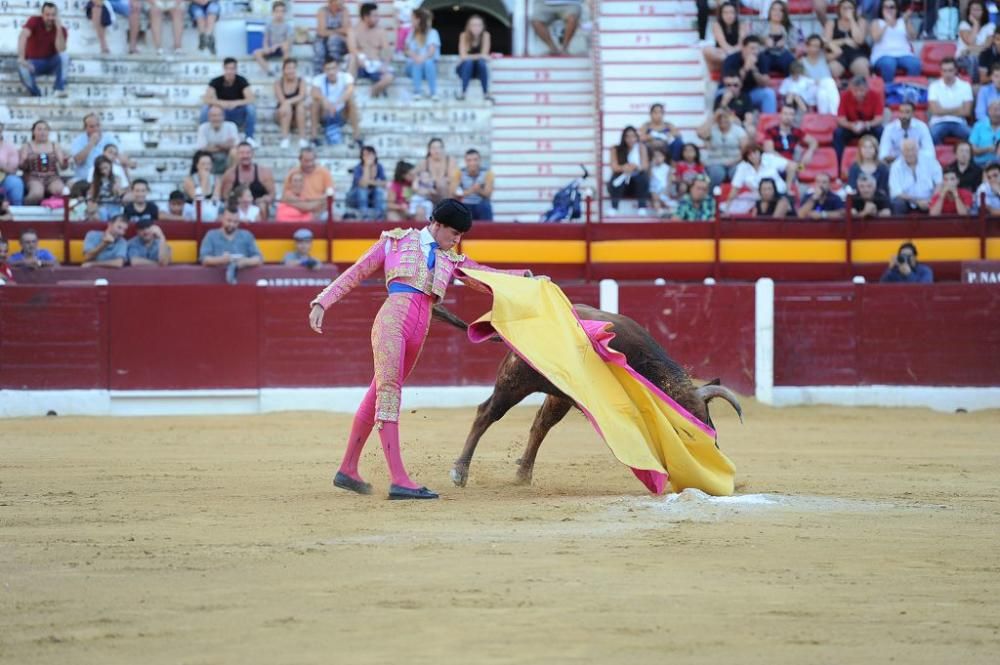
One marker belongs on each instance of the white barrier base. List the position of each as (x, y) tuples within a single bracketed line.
[(938, 398)]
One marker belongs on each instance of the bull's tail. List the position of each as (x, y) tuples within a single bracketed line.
[(442, 314)]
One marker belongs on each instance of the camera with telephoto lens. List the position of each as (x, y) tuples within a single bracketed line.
[(901, 259)]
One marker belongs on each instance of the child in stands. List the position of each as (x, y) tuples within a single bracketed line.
[(687, 168)]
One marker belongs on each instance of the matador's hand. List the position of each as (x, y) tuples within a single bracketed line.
[(316, 318)]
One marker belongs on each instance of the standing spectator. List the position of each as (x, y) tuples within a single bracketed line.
[(816, 68), (734, 100), (105, 195), (728, 32), (546, 12), (988, 193), (149, 246), (89, 145), (745, 66), (294, 207), (473, 185), (906, 126), (891, 48), (258, 179), (986, 135), (107, 248), (950, 102), (441, 167), (970, 176), (821, 203), (724, 143), (860, 113), (6, 272), (868, 164), (870, 201), (139, 209), (245, 208), (629, 164), (277, 38), (474, 56), (798, 89), (975, 34), (778, 39), (912, 181), (173, 8), (233, 94), (333, 34), (904, 267), (374, 61), (302, 254), (99, 14), (218, 137), (31, 256), (178, 209), (769, 205), (657, 133), (333, 105), (316, 183), (10, 161), (291, 91), (422, 49), (204, 14), (789, 141), (988, 94), (756, 166), (399, 192), (697, 205), (41, 160), (989, 57), (41, 50), (229, 246), (367, 193), (845, 40), (949, 198), (202, 184)]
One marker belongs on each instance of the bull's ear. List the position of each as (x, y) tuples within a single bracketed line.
[(714, 382)]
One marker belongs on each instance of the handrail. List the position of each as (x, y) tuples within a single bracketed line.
[(595, 58)]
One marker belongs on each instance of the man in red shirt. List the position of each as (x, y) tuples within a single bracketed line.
[(41, 50), (950, 199), (787, 140), (860, 113)]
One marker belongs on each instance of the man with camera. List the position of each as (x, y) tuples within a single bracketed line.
[(302, 254), (904, 267)]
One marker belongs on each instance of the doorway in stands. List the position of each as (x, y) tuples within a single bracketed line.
[(450, 18)]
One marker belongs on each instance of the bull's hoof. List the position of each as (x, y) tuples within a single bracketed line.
[(459, 476), (522, 478)]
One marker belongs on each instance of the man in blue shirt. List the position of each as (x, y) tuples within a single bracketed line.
[(229, 245), (31, 256), (149, 246), (302, 255), (821, 203), (107, 248), (904, 268), (88, 146), (988, 94)]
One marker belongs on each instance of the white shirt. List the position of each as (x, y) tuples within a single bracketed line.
[(425, 241), (895, 42), (333, 91), (208, 135), (917, 182), (771, 166), (949, 96), (981, 38), (251, 214), (804, 88), (891, 144)]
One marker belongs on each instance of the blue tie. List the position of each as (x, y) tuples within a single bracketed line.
[(431, 258)]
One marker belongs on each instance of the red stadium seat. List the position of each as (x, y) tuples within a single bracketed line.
[(821, 126), (824, 161), (945, 154), (800, 7), (850, 156), (766, 122), (876, 84), (932, 54)]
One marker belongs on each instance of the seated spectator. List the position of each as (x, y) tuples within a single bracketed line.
[(686, 168), (545, 12), (440, 167), (374, 61), (107, 248), (118, 168), (245, 208), (178, 209), (399, 193), (891, 47), (969, 175), (860, 113), (174, 9), (10, 161), (278, 34), (661, 182), (756, 166), (31, 256), (697, 205), (868, 164), (988, 94), (204, 14), (950, 103), (988, 193), (474, 56), (105, 195), (755, 82), (229, 246), (233, 94), (658, 133), (629, 164), (202, 184), (333, 34), (6, 271), (949, 198), (846, 38), (139, 209), (89, 145), (5, 214), (149, 246), (817, 70), (769, 204), (473, 186), (734, 100), (821, 203), (292, 93), (904, 267), (257, 178), (724, 142), (79, 193), (869, 201), (218, 137), (302, 254), (905, 126), (333, 105), (789, 141), (99, 14), (989, 57), (986, 134), (41, 50), (423, 47), (912, 180), (778, 40), (422, 196), (728, 32), (317, 183), (975, 34), (798, 89), (41, 160), (367, 193), (295, 207)]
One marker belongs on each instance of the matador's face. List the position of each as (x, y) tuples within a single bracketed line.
[(445, 236)]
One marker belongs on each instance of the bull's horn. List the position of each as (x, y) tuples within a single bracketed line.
[(710, 392)]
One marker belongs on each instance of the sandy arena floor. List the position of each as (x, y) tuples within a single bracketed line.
[(221, 540)]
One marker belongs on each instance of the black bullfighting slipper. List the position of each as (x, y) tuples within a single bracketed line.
[(345, 482), (396, 492)]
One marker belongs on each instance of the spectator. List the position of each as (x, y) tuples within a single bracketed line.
[(778, 39), (203, 185), (302, 254), (728, 32), (789, 141), (989, 57), (687, 167), (399, 192), (118, 168), (5, 214), (988, 194), (100, 17), (10, 161), (474, 56), (178, 209), (975, 34), (629, 163), (769, 204), (986, 135), (845, 41), (422, 49), (660, 182), (473, 186), (374, 52), (891, 48), (367, 193), (906, 126), (89, 145), (41, 50), (949, 198), (860, 113), (333, 34), (291, 91), (821, 203), (317, 183), (294, 206), (79, 193), (245, 208), (218, 138), (734, 100), (950, 103), (970, 176), (105, 195), (233, 94), (441, 168), (870, 201), (546, 12), (277, 38), (333, 105), (41, 160), (756, 166), (798, 89), (724, 143), (6, 272), (816, 69), (139, 209), (174, 9), (229, 246), (204, 14), (258, 179), (904, 267), (912, 180), (107, 248), (745, 65), (31, 256), (697, 205), (421, 200), (988, 94), (149, 246), (868, 164), (657, 133)]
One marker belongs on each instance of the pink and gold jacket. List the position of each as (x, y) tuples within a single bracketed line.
[(398, 253)]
